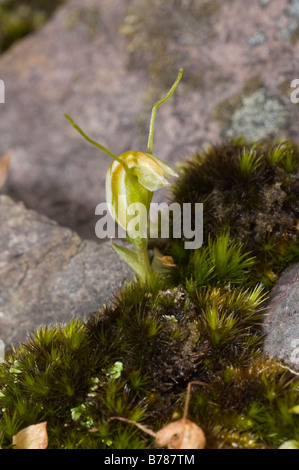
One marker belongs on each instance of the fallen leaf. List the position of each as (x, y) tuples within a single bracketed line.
[(181, 434), (4, 166), (161, 263), (32, 437), (167, 261)]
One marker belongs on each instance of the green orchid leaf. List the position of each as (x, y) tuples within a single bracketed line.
[(130, 257)]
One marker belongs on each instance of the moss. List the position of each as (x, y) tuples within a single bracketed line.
[(157, 340), (17, 20), (53, 377), (252, 190), (200, 322)]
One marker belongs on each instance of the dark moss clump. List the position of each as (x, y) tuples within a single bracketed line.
[(135, 359), (252, 191), (19, 19), (52, 378)]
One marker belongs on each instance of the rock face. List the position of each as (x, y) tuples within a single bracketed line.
[(106, 63), (282, 320), (48, 274)]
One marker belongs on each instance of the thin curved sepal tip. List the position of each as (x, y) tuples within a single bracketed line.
[(154, 111), (96, 144)]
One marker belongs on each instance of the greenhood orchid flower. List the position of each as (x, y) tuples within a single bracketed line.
[(131, 181), (147, 174)]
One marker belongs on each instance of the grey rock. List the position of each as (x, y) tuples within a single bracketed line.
[(48, 274), (281, 325), (264, 3), (106, 62), (76, 64)]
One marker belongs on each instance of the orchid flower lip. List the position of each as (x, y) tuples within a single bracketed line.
[(135, 158), (149, 171)]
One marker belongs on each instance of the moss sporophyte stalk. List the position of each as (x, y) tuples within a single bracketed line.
[(131, 181)]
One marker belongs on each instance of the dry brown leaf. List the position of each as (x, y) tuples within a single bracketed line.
[(167, 261), (181, 434), (32, 437), (4, 167)]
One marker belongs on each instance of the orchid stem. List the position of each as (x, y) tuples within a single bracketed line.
[(140, 245), (154, 112)]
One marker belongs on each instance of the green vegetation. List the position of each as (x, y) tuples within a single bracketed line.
[(157, 341), (19, 19), (201, 322), (251, 191)]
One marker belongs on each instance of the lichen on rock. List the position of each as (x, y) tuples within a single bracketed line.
[(259, 117)]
